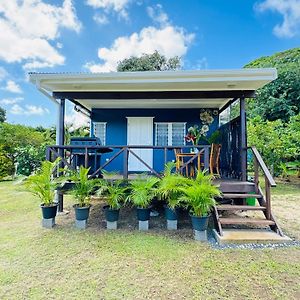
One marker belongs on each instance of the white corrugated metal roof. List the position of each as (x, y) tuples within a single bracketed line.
[(197, 80)]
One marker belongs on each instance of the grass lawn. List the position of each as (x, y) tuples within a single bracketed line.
[(65, 263)]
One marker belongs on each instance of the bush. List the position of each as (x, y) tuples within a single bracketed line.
[(29, 159), (7, 167), (277, 142)]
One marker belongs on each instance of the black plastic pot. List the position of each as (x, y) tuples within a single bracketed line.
[(82, 213), (200, 223), (111, 215), (171, 214), (49, 212), (143, 214)]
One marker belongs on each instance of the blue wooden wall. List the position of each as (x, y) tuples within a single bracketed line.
[(116, 128)]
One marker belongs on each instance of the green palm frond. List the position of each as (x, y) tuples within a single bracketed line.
[(42, 183), (115, 192), (199, 195), (142, 191), (170, 185), (84, 186)]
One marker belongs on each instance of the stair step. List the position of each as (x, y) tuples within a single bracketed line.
[(232, 221), (239, 207), (237, 187), (240, 196)]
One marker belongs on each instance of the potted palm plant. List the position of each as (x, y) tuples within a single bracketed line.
[(169, 190), (82, 190), (43, 185), (115, 193), (199, 196), (142, 191)]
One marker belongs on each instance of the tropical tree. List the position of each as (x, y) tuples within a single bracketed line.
[(279, 99), (2, 115), (149, 62)]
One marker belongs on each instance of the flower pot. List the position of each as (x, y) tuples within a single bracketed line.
[(143, 214), (49, 212), (171, 214), (111, 215), (200, 223), (82, 213)]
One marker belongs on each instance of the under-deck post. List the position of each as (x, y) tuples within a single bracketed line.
[(243, 137), (61, 142)]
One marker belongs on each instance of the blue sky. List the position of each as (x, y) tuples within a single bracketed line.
[(93, 35)]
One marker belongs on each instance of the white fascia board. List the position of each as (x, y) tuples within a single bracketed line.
[(49, 80)]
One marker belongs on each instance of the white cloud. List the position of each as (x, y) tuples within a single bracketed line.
[(3, 73), (12, 87), (117, 6), (10, 101), (157, 14), (28, 110), (28, 27), (167, 39), (290, 11), (76, 119), (101, 19)]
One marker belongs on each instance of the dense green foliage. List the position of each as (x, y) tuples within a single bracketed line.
[(7, 168), (277, 142), (2, 115), (30, 158), (22, 145), (279, 99), (149, 62)]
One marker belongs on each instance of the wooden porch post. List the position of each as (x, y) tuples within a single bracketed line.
[(61, 142), (243, 137)]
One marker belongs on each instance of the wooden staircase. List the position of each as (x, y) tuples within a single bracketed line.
[(233, 200), (234, 194)]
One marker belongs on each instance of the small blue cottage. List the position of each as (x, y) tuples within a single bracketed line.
[(154, 110), (140, 120)]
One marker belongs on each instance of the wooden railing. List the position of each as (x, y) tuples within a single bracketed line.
[(258, 163), (67, 158)]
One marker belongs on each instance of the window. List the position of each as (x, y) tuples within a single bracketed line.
[(170, 134), (100, 131)]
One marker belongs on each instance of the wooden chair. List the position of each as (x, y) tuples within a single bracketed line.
[(178, 160), (189, 169), (214, 159)]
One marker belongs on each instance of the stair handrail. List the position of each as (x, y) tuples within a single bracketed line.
[(269, 180), (263, 166)]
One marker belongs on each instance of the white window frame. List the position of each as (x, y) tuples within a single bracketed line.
[(170, 132), (104, 124)]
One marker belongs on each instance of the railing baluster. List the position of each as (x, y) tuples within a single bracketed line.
[(256, 175), (125, 163), (165, 155), (206, 158), (86, 158), (268, 198)]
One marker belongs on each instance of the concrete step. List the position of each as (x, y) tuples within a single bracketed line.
[(244, 236)]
